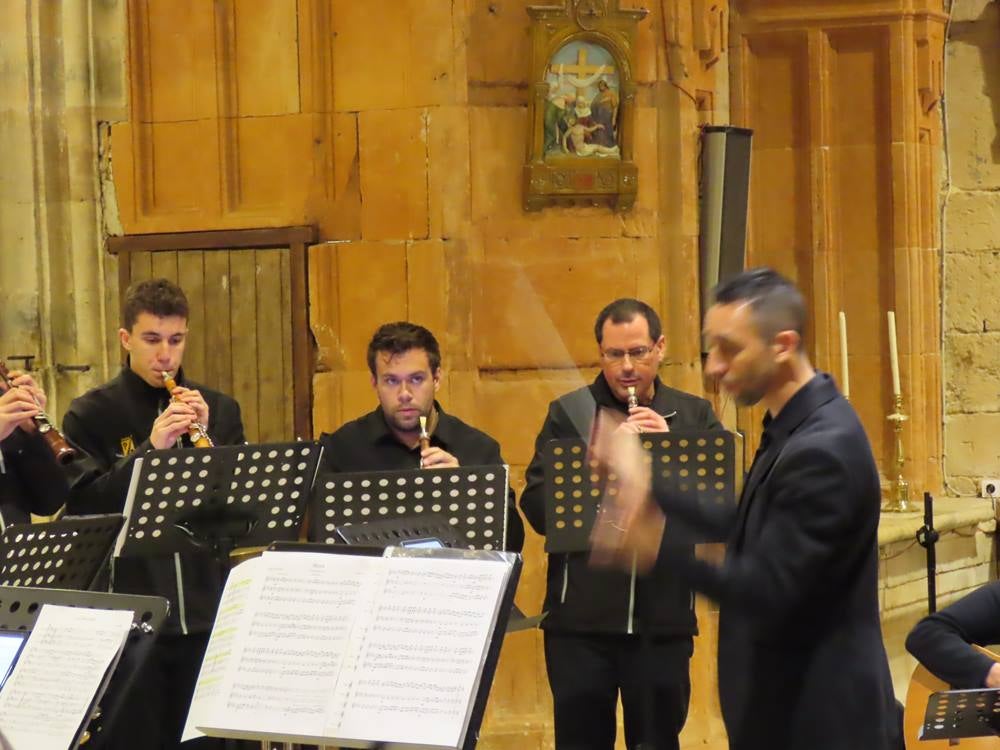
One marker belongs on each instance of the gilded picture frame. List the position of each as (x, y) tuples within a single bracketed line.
[(581, 111)]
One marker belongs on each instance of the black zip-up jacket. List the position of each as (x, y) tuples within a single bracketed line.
[(112, 424), (583, 599), (30, 479), (367, 444)]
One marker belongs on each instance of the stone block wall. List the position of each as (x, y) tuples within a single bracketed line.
[(971, 241)]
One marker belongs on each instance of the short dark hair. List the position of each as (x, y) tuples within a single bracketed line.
[(399, 338), (776, 303), (159, 297), (623, 311)]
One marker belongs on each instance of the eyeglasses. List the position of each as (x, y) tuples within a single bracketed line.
[(635, 354)]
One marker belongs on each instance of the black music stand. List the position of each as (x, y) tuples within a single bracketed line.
[(955, 714), (21, 605), (215, 499), (472, 498), (65, 554), (697, 465)]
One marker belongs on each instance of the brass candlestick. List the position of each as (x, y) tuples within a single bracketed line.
[(899, 499)]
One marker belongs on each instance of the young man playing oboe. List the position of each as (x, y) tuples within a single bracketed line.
[(115, 423)]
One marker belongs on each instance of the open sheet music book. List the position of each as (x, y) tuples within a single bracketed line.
[(66, 663), (350, 650)]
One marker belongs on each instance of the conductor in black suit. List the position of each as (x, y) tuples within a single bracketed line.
[(801, 661)]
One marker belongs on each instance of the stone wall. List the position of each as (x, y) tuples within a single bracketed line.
[(971, 240)]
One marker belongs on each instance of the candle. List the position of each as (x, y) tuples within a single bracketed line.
[(893, 354), (845, 381)]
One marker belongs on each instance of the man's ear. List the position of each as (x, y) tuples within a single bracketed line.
[(125, 338), (436, 377), (661, 348), (786, 345)]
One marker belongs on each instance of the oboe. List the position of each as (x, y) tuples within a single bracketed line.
[(62, 450), (425, 438), (633, 400), (197, 431)]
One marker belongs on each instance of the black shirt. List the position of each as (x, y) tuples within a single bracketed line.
[(30, 479), (112, 424), (367, 444)]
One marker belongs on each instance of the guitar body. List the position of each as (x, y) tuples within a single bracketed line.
[(922, 685)]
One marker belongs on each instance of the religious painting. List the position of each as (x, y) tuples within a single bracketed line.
[(581, 113)]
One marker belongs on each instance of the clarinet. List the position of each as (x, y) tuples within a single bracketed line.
[(63, 451), (197, 431)]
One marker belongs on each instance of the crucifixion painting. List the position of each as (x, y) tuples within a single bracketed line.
[(581, 111)]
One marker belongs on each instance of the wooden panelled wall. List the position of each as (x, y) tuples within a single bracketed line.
[(842, 97), (399, 130)]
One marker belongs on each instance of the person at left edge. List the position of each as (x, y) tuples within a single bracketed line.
[(115, 423), (405, 364), (30, 479)]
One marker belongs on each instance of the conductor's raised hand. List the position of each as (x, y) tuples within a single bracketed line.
[(173, 422), (629, 526)]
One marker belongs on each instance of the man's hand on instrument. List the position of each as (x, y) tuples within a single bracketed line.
[(23, 380), (171, 424), (644, 419), (193, 399), (16, 410), (993, 677), (437, 458)]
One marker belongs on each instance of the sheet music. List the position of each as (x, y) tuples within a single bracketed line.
[(419, 654), (129, 502), (354, 647), (232, 605), (64, 663)]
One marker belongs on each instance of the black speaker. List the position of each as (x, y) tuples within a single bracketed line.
[(725, 188)]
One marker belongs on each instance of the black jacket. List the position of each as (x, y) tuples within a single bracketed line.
[(941, 641), (579, 597), (112, 424), (367, 444), (30, 479), (801, 659)]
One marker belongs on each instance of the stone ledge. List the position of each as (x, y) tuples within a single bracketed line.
[(949, 513)]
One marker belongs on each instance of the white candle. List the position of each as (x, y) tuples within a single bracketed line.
[(893, 354), (845, 380)]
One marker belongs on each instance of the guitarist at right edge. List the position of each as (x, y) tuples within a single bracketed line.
[(949, 645), (942, 642)]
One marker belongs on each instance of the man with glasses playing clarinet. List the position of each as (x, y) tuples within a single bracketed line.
[(609, 632)]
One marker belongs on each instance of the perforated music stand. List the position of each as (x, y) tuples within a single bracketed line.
[(472, 498), (955, 714), (66, 554), (696, 465), (217, 499), (21, 605)]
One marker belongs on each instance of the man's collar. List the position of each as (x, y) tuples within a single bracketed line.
[(140, 387), (818, 391), (378, 428), (606, 397)]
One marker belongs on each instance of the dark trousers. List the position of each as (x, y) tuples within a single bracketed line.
[(586, 674), (153, 715)]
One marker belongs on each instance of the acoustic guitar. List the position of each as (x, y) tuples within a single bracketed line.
[(922, 684)]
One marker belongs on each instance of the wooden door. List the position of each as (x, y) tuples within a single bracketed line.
[(248, 324)]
